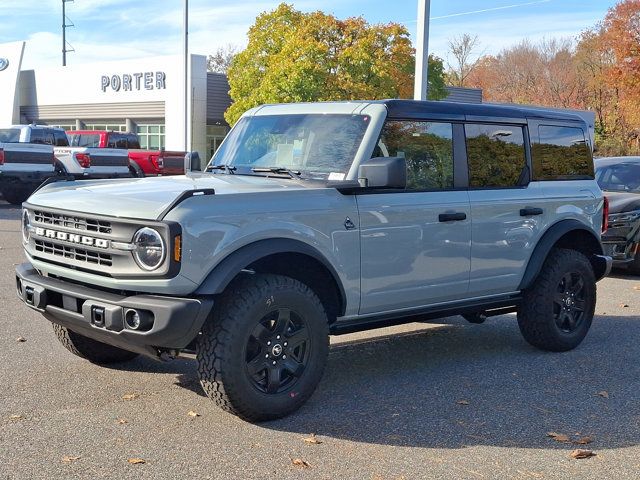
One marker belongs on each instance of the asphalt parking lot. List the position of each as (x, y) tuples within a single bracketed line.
[(452, 400)]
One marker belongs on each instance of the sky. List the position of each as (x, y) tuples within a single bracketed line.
[(122, 29)]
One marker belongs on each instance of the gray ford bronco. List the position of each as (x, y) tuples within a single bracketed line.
[(319, 219)]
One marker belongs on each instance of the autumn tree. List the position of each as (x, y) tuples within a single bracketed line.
[(462, 50), (293, 56), (220, 61)]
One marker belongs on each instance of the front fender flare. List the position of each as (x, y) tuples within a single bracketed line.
[(225, 271)]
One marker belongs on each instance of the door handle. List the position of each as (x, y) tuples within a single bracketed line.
[(452, 217), (529, 211)]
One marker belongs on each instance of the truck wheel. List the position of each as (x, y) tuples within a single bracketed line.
[(16, 194), (89, 349), (263, 351), (135, 170), (557, 310), (634, 267)]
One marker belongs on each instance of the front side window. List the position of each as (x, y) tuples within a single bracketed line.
[(427, 148), (496, 155), (562, 153), (621, 177), (316, 145)]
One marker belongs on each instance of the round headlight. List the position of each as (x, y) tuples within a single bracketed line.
[(149, 251), (26, 226)]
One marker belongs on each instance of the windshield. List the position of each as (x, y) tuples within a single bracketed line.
[(9, 135), (623, 177), (315, 145)]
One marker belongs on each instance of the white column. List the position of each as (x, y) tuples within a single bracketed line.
[(422, 51)]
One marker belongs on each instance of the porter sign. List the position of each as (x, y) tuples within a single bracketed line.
[(133, 81)]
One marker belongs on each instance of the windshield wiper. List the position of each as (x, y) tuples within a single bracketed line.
[(277, 170), (226, 168)]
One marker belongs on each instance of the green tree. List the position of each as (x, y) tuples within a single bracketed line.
[(305, 57)]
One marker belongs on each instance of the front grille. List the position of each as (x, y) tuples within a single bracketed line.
[(77, 223), (72, 253)]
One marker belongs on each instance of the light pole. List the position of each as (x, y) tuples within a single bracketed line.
[(186, 75), (422, 51)]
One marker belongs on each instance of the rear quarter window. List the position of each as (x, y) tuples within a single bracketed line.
[(84, 140), (561, 153), (9, 135)]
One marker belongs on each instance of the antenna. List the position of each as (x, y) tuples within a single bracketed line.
[(66, 47)]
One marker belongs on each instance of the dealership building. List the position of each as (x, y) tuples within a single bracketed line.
[(145, 96)]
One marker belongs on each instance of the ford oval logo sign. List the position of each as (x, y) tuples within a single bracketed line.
[(4, 63)]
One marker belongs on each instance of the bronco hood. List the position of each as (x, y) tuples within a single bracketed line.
[(149, 198)]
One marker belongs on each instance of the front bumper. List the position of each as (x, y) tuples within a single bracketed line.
[(101, 315)]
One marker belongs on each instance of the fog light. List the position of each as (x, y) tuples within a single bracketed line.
[(138, 320)]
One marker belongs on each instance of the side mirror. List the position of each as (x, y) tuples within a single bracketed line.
[(383, 172), (192, 162)]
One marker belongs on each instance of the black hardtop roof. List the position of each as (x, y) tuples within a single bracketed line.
[(417, 108)]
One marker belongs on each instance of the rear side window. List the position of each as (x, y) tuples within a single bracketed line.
[(562, 153), (117, 140), (427, 148), (132, 141), (82, 140), (496, 155)]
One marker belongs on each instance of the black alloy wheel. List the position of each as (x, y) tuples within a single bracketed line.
[(277, 351), (569, 302)]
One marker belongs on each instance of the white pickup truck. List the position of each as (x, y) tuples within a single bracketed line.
[(30, 154), (26, 160)]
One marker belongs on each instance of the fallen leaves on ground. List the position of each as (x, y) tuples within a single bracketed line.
[(624, 305), (191, 413), (69, 459), (21, 339), (130, 396), (122, 421), (298, 462), (137, 461), (558, 437), (579, 454), (463, 402), (584, 441), (603, 394), (313, 440), (15, 417)]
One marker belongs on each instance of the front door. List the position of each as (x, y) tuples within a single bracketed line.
[(415, 243)]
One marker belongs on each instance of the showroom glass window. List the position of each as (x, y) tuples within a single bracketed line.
[(496, 155), (427, 148)]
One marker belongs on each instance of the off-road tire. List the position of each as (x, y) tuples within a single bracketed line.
[(89, 349), (223, 345), (634, 267), (536, 313), (17, 194), (135, 171)]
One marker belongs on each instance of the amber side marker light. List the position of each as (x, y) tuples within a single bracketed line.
[(177, 248)]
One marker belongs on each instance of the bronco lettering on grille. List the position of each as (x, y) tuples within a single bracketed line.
[(72, 238)]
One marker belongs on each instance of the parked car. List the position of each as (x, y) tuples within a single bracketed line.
[(26, 159), (83, 160), (141, 162), (619, 177), (318, 219)]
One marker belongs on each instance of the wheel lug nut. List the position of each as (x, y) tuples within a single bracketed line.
[(285, 344), (284, 356), (268, 343), (278, 337), (266, 356), (274, 362)]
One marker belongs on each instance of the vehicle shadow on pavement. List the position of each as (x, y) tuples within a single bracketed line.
[(9, 212), (480, 385)]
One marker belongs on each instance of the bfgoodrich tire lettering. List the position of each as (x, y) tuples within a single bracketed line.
[(264, 327), (89, 349), (557, 310)]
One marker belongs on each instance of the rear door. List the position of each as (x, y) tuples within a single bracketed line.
[(507, 209), (415, 243)]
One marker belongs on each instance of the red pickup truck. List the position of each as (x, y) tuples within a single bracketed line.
[(141, 162)]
